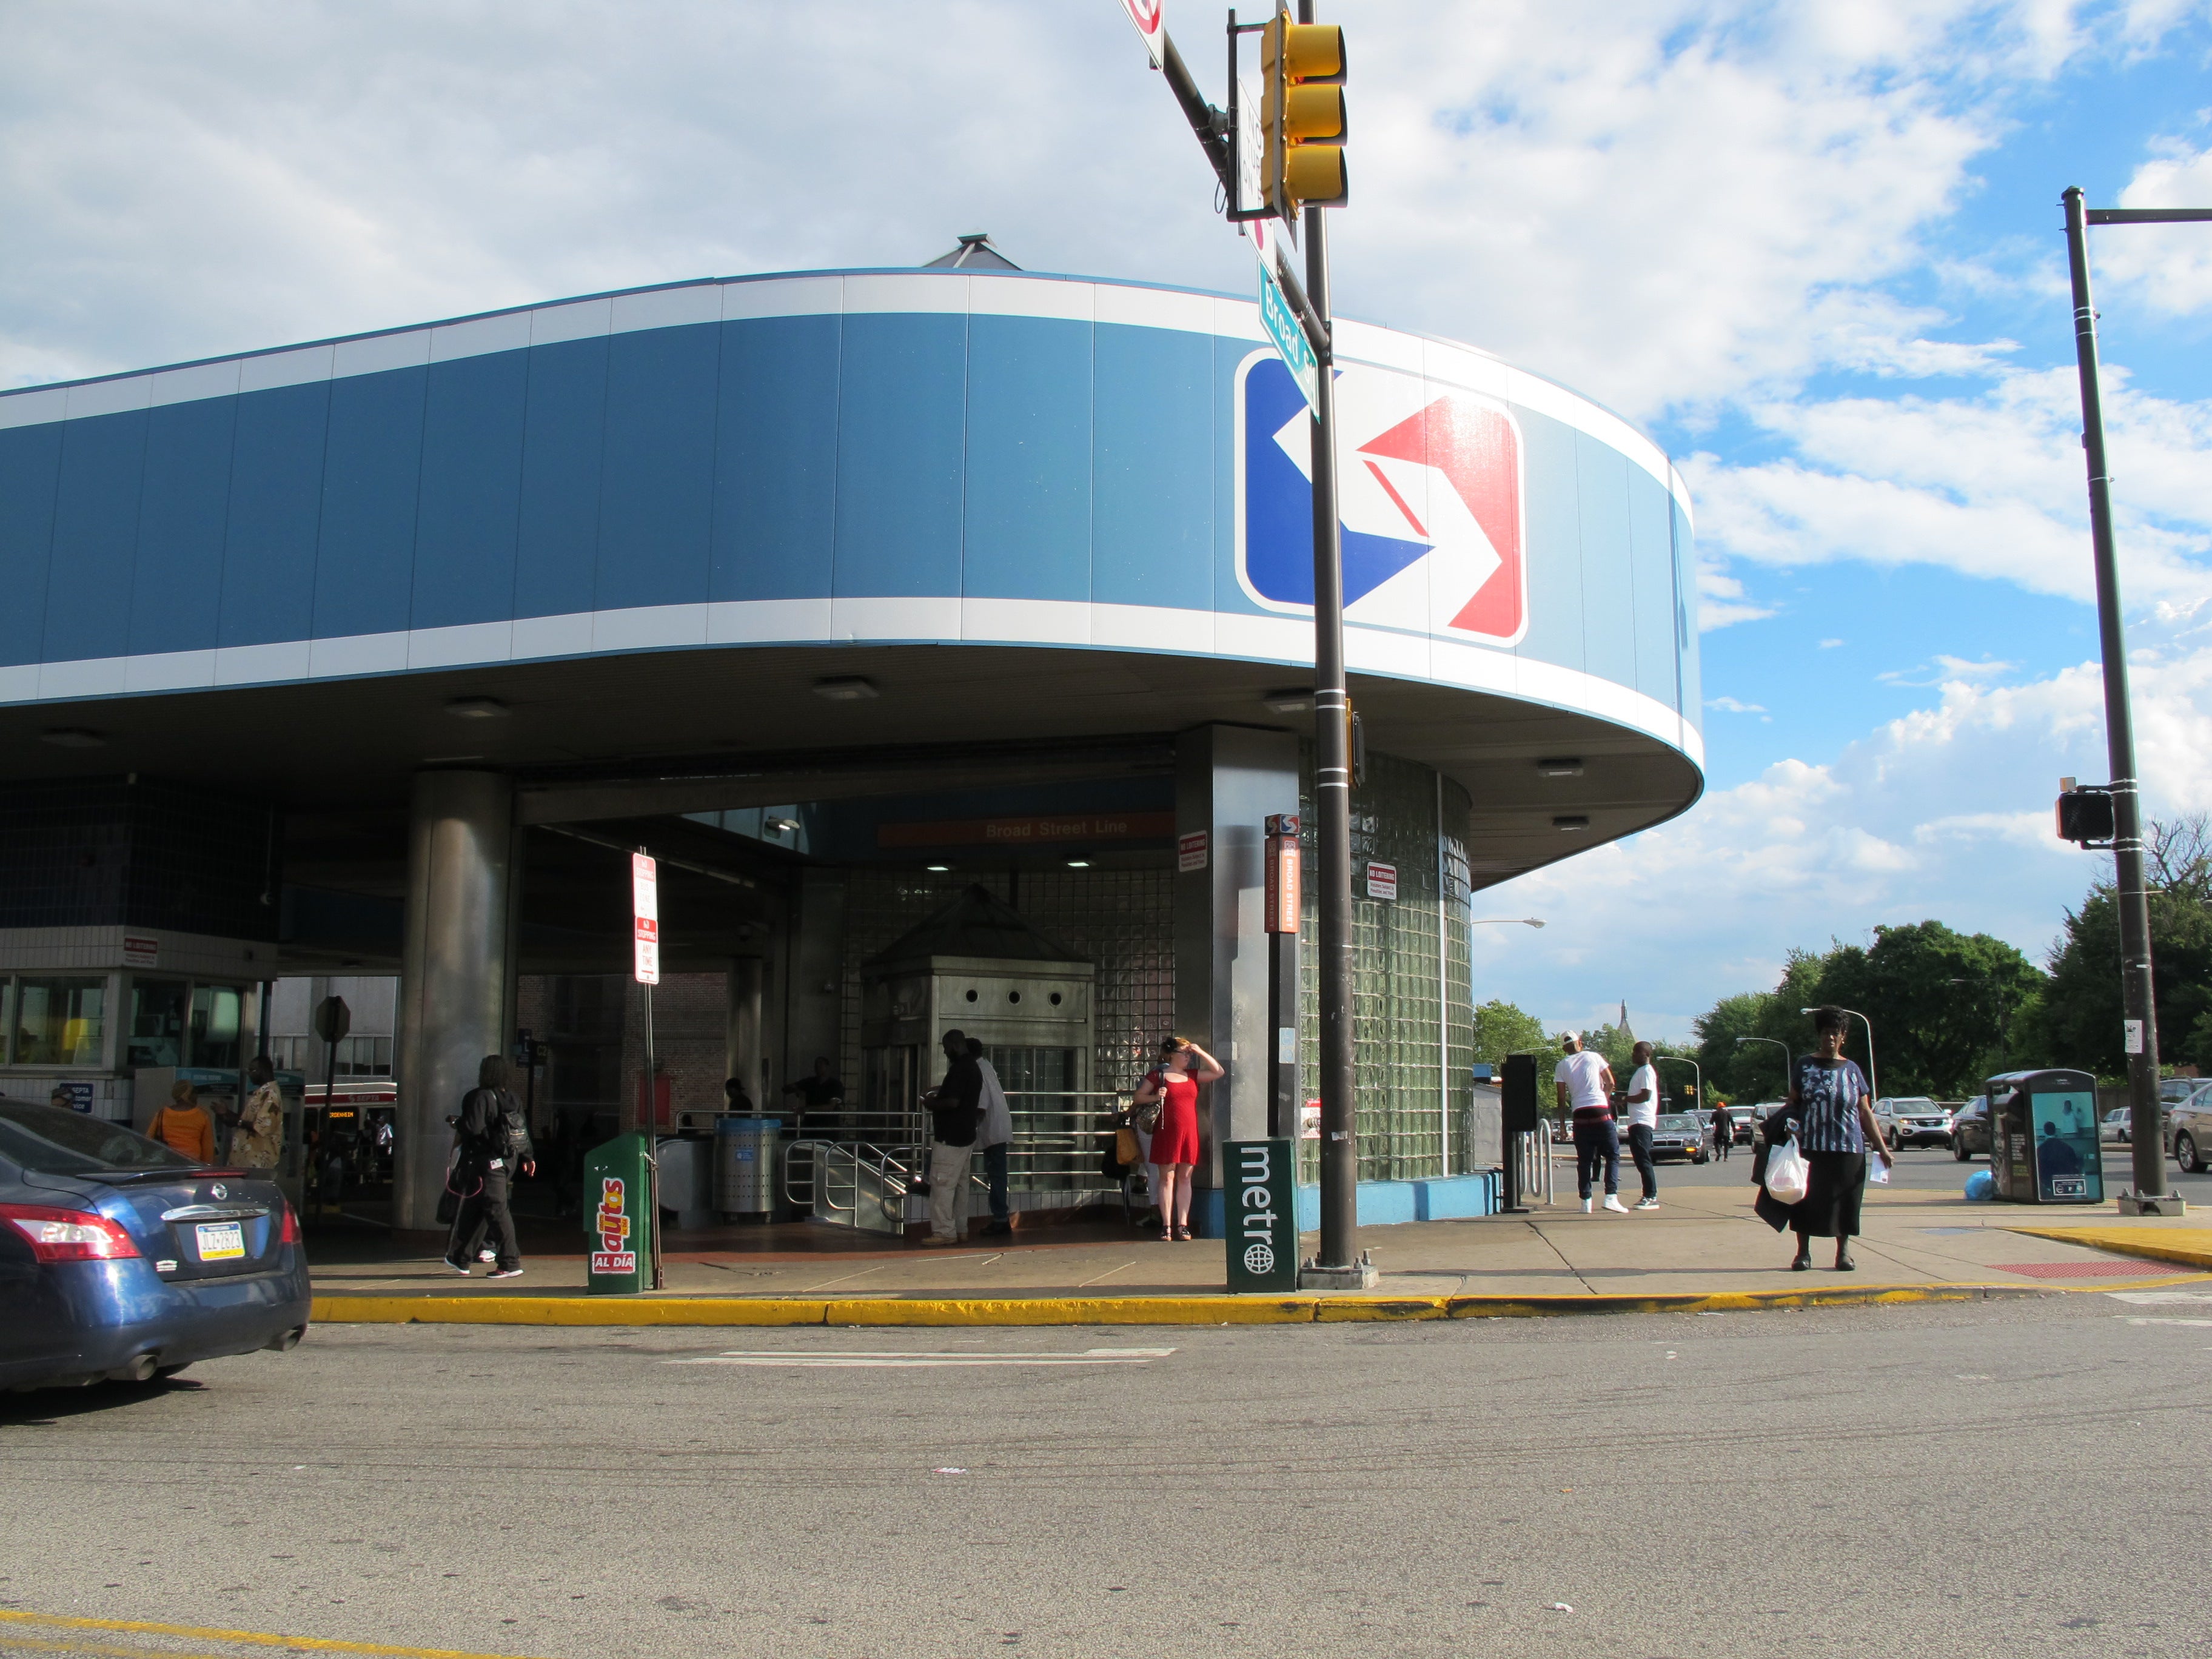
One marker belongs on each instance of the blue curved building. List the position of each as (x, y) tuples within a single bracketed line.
[(377, 651)]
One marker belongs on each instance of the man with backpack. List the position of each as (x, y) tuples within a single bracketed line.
[(492, 1142)]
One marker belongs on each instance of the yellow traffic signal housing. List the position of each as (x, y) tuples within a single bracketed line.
[(1301, 67)]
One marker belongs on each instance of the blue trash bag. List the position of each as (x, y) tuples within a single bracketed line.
[(1981, 1186)]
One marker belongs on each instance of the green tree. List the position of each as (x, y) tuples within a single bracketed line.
[(2076, 1020), (1942, 1004), (1501, 1029)]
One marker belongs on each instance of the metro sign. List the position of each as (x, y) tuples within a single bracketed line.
[(1429, 495)]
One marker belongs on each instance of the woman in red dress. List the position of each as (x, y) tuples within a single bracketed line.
[(1183, 1066)]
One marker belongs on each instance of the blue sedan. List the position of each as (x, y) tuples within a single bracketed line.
[(122, 1259)]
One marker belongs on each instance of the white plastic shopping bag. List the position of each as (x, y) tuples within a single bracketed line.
[(1788, 1177)]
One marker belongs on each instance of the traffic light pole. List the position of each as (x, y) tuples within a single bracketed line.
[(1333, 1262), (2138, 1000)]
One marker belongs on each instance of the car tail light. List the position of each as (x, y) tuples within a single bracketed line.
[(289, 1233), (69, 1235)]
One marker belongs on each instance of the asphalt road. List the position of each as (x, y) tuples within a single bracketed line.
[(1941, 1480)]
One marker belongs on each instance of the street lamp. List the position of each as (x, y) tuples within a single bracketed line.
[(2139, 1038), (1777, 1043), (1872, 1087), (1686, 1060), (1516, 921)]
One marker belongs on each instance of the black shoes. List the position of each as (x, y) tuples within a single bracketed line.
[(1799, 1263), (1844, 1264)]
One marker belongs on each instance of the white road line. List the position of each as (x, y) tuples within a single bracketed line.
[(2150, 1299), (859, 1359), (2198, 1322)]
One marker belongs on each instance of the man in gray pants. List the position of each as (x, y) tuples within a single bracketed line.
[(956, 1111)]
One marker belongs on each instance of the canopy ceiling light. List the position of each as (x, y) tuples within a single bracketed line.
[(1564, 766), (846, 688), (73, 737), (477, 709)]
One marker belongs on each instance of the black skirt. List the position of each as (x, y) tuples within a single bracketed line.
[(1830, 1208)]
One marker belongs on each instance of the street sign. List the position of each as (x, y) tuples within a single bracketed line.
[(1260, 1216), (1190, 851), (1150, 19), (1282, 325), (333, 1020), (1285, 908), (645, 916), (1383, 881)]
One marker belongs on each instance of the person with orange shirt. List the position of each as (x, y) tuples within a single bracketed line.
[(184, 1126)]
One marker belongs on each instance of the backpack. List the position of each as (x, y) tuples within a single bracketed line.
[(505, 1133)]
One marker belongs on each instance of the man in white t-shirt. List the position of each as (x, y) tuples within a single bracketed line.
[(1643, 1102), (1583, 1083)]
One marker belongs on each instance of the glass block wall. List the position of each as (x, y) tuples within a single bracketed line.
[(1120, 920), (1412, 1020)]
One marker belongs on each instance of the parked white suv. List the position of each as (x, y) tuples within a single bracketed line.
[(1913, 1121)]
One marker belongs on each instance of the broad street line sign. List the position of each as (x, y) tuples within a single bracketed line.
[(1282, 325), (645, 916)]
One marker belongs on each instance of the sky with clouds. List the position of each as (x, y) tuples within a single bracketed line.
[(1814, 249)]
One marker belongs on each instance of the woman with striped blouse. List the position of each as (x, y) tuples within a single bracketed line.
[(1831, 1111)]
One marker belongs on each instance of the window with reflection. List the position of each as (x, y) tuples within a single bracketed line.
[(156, 1034), (217, 1020), (60, 1020)]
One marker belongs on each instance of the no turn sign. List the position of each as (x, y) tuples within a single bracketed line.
[(1151, 23)]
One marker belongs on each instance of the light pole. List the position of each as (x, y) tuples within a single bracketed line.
[(1683, 1060), (1505, 921), (2140, 1027), (1872, 1087)]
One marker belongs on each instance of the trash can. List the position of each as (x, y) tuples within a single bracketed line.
[(2043, 1138), (745, 1151), (619, 1216)]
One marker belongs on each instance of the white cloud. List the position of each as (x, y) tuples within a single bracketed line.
[(1990, 486), (1730, 705), (1945, 812), (2169, 266)]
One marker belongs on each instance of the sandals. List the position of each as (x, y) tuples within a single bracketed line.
[(1184, 1233)]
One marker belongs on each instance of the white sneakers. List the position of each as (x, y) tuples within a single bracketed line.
[(1613, 1202), (1586, 1210)]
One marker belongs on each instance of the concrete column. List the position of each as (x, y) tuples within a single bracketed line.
[(454, 979), (741, 1044), (1229, 779)]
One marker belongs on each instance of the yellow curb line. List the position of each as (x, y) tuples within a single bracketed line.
[(258, 1638), (1205, 1309), (2154, 1244)]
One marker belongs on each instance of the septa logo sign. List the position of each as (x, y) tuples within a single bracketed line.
[(1429, 492)]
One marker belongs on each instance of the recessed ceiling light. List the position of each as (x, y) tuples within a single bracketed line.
[(939, 869), (477, 709), (846, 688), (780, 826), (1570, 821), (73, 737), (1566, 766), (1295, 700), (1078, 864)]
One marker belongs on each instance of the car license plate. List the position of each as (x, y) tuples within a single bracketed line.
[(221, 1241)]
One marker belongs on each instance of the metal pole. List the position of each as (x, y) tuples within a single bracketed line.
[(2137, 1002), (1340, 1129)]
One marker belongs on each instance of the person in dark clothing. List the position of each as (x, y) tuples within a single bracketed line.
[(818, 1093), (1723, 1131), (734, 1098), (495, 1143), (956, 1111), (1830, 1111)]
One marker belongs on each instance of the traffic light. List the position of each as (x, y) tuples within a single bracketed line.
[(1302, 66), (2085, 816)]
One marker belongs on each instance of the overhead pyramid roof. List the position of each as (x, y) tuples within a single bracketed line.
[(973, 254), (976, 923)]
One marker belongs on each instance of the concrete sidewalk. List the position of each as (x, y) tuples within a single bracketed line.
[(1705, 1243)]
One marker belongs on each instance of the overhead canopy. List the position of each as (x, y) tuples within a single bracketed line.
[(977, 926)]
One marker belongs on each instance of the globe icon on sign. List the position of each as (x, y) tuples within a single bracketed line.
[(1259, 1259)]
